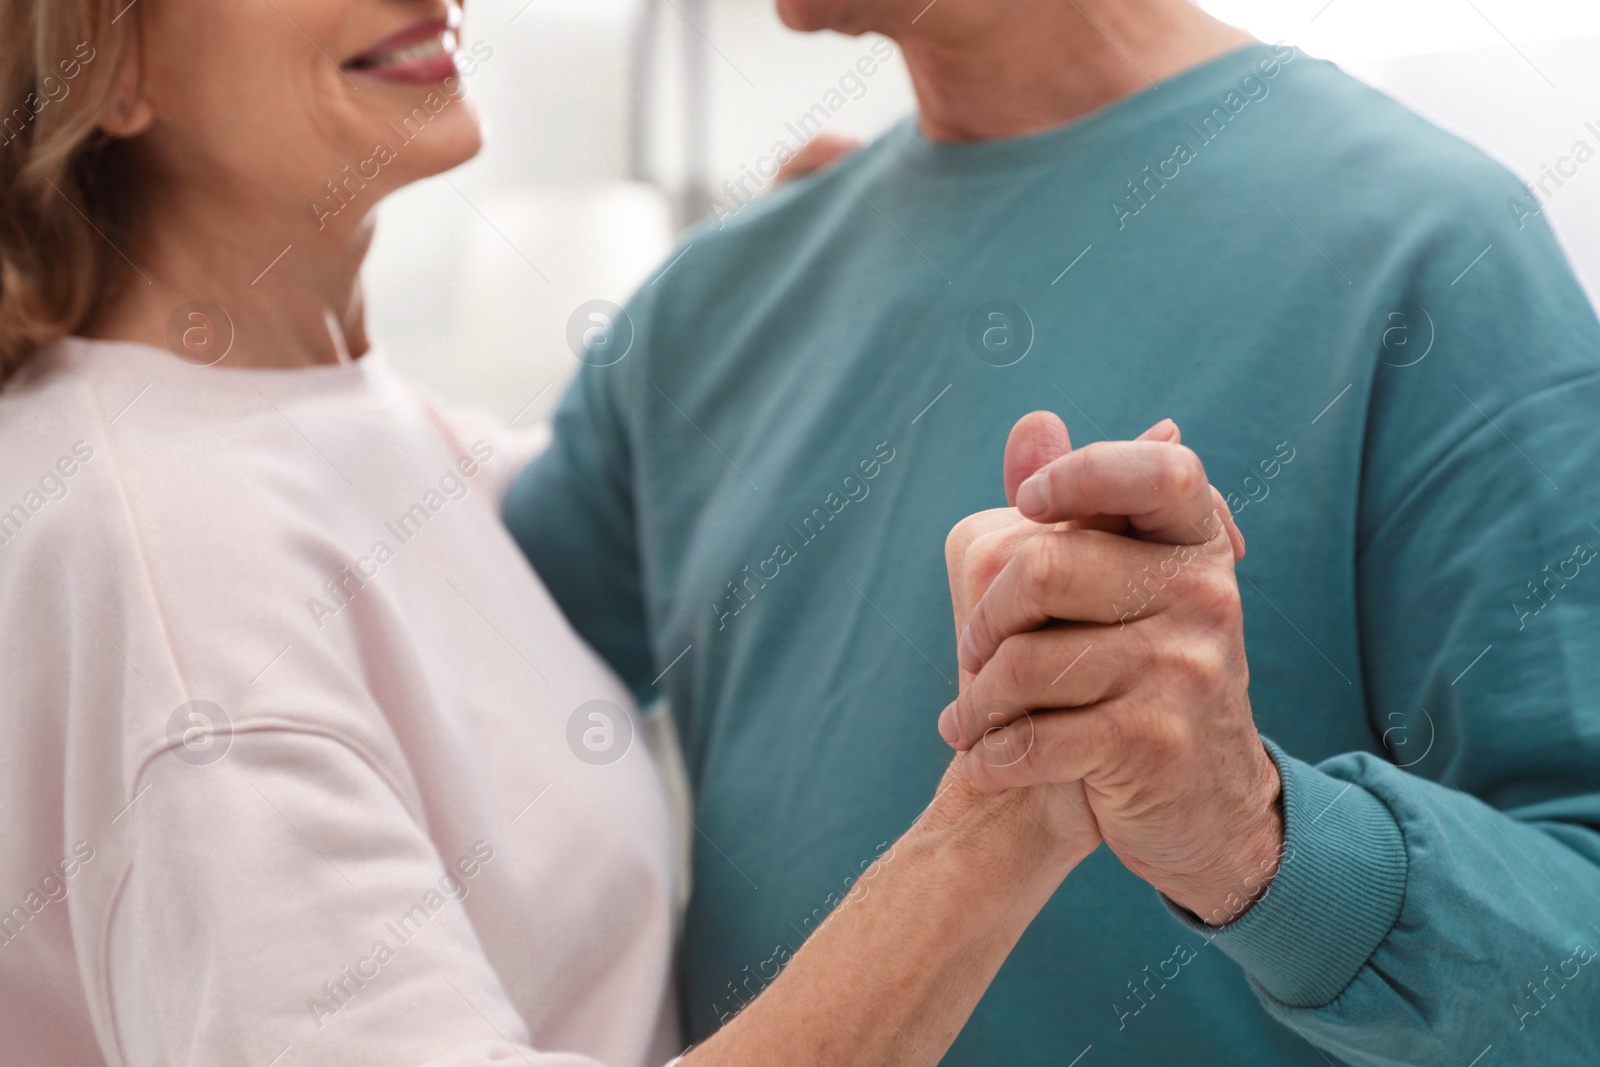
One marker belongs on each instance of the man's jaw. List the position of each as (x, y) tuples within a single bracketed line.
[(850, 17)]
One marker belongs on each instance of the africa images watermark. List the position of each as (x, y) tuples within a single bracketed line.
[(53, 887), (1251, 89), (1257, 489), (1565, 167), (599, 732), (51, 486), (1143, 589), (857, 887), (1253, 887), (199, 733), (745, 586), (1542, 593), (753, 178), (341, 590), (346, 188), (1550, 987), (339, 991), (54, 90)]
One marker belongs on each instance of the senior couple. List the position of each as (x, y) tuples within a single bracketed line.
[(306, 764)]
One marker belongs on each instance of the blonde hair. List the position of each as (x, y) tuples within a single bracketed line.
[(66, 188)]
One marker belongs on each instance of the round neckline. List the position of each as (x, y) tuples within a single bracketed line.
[(913, 146), (151, 360)]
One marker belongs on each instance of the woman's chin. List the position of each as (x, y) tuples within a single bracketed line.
[(462, 146), (448, 144)]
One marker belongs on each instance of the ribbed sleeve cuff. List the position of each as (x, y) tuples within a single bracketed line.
[(1336, 895)]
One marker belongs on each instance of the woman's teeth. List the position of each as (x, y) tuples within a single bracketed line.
[(441, 45)]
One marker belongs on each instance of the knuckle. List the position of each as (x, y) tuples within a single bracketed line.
[(1047, 563), (1187, 583), (1214, 595), (957, 543), (1147, 735), (1177, 471), (1203, 586), (986, 558), (1187, 472), (970, 532), (1166, 736), (1195, 664)]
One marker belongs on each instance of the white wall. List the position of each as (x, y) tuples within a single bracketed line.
[(474, 275), (1498, 98)]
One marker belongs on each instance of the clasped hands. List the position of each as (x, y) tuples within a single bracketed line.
[(1103, 669)]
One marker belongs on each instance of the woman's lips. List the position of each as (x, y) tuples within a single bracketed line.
[(421, 53)]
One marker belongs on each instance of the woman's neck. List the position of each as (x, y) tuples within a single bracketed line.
[(289, 293)]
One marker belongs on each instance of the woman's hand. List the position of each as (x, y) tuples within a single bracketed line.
[(820, 152), (1156, 723), (1052, 816), (1050, 825)]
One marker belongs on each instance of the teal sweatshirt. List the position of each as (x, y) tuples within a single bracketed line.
[(1368, 333)]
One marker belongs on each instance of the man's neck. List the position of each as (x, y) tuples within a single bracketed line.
[(984, 70)]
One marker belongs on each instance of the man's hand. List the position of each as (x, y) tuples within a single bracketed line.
[(1105, 644)]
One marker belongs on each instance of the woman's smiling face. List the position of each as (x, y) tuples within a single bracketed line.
[(309, 106)]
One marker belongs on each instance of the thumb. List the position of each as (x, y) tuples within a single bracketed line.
[(1038, 438)]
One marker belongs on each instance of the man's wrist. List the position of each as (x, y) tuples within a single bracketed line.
[(1248, 859), (1338, 893)]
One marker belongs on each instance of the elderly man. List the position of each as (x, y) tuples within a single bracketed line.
[(1124, 210)]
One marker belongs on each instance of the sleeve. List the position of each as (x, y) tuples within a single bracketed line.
[(573, 512), (1446, 901), (284, 907)]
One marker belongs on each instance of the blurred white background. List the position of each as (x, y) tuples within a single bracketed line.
[(474, 275)]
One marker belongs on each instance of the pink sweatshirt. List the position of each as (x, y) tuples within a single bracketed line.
[(299, 763)]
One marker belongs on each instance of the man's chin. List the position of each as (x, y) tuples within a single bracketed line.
[(841, 16), (800, 15)]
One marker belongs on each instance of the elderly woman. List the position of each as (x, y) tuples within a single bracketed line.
[(302, 766)]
